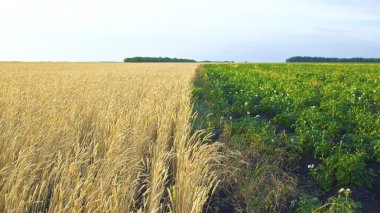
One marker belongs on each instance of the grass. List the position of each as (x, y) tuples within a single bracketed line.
[(112, 137)]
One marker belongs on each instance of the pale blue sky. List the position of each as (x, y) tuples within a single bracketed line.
[(240, 30)]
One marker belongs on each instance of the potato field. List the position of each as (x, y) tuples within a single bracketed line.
[(309, 132)]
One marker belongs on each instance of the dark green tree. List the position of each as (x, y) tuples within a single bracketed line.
[(308, 59), (156, 59)]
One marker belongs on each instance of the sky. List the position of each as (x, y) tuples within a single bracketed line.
[(239, 30)]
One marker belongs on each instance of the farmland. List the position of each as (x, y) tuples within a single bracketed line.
[(188, 137), (309, 133), (102, 137)]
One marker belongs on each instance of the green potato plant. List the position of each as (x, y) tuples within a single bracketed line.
[(328, 111)]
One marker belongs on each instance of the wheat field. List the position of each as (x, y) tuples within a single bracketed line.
[(102, 137)]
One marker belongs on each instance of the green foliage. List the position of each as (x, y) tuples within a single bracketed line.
[(322, 104), (341, 203), (350, 170), (376, 148), (156, 59), (347, 169), (329, 111), (306, 204)]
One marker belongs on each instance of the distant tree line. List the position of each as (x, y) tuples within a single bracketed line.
[(157, 59), (331, 60)]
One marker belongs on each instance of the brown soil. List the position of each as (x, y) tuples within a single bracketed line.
[(279, 128)]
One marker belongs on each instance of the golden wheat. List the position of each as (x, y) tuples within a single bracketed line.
[(102, 137)]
